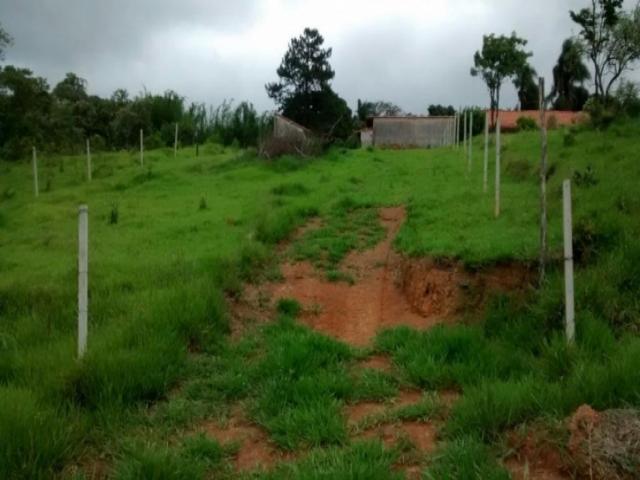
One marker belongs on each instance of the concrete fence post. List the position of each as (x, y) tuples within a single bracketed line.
[(141, 148), (498, 148), (175, 143), (34, 161), (464, 143), (543, 184), (88, 159), (570, 325), (485, 177), (470, 159), (457, 134), (83, 278)]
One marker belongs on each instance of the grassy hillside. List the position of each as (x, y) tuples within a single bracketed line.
[(170, 240)]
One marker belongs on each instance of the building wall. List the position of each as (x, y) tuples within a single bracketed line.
[(413, 132), (288, 129), (366, 137)]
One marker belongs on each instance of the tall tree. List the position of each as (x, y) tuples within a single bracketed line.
[(304, 69), (612, 40), (569, 75), (72, 88), (303, 92), (525, 82), (500, 58), (441, 111), (379, 108), (5, 41)]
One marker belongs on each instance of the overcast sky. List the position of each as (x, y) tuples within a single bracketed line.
[(410, 52)]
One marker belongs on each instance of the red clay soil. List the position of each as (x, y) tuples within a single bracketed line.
[(535, 459), (389, 290), (377, 362), (354, 313), (255, 450)]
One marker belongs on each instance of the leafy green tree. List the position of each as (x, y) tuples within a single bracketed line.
[(569, 75), (71, 89), (612, 41), (441, 111), (303, 92), (501, 58), (527, 88), (5, 41), (366, 109), (25, 105)]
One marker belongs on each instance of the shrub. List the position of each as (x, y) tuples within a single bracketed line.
[(526, 123), (289, 307)]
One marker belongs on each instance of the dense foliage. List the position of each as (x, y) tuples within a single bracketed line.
[(303, 92), (60, 119)]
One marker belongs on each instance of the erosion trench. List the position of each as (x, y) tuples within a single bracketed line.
[(388, 290)]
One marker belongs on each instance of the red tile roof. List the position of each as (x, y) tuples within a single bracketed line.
[(509, 119)]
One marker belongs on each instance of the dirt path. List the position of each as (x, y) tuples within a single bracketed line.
[(355, 313)]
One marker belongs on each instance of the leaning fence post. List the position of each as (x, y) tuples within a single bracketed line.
[(485, 178), (36, 190), (568, 262), (88, 160), (83, 278), (498, 148), (175, 143), (141, 148)]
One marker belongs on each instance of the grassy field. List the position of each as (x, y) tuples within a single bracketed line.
[(170, 241)]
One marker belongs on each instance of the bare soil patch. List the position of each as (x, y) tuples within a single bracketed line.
[(389, 290), (535, 458), (377, 362), (255, 450)]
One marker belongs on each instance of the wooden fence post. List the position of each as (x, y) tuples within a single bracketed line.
[(175, 143), (498, 147), (568, 262), (34, 161), (141, 148), (88, 159), (83, 278), (543, 184), (485, 177)]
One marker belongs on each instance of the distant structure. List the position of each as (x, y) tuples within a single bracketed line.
[(285, 128), (408, 132), (555, 118)]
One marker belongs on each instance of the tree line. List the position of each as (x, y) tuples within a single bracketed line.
[(609, 38)]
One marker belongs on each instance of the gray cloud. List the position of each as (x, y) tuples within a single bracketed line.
[(413, 53)]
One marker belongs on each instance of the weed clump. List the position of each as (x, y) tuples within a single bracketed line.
[(114, 214), (289, 307)]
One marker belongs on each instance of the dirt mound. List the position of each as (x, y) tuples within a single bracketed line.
[(606, 445)]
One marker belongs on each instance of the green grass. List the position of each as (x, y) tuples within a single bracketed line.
[(159, 356)]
